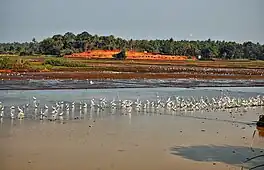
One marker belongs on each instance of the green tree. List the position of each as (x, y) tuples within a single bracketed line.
[(68, 43)]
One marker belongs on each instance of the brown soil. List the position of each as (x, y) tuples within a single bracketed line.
[(123, 75), (129, 69)]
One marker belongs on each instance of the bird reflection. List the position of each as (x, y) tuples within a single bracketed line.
[(170, 105)]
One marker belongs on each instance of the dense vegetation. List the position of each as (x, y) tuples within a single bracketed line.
[(68, 43)]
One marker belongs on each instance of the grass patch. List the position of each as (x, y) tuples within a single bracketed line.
[(40, 62), (14, 63), (64, 63)]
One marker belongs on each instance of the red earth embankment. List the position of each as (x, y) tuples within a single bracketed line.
[(131, 55), (5, 71)]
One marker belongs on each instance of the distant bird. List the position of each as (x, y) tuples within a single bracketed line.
[(21, 115), (2, 114), (61, 114), (19, 109), (43, 114)]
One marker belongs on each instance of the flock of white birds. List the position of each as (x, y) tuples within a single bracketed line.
[(171, 105)]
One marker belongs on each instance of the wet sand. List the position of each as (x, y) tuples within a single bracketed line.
[(150, 142)]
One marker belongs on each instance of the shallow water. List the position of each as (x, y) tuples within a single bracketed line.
[(49, 96), (117, 139)]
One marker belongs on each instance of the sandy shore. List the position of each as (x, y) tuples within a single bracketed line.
[(150, 142)]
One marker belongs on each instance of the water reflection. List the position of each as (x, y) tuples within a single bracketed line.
[(130, 117), (73, 111), (35, 114), (260, 131), (1, 122), (80, 114), (67, 114), (91, 112), (85, 113), (61, 119)]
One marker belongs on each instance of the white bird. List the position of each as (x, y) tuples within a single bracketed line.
[(19, 109), (21, 115), (61, 114), (73, 104), (36, 105), (61, 105), (12, 116), (92, 103), (53, 108), (54, 111), (43, 114)]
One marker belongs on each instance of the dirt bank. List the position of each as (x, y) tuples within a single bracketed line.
[(129, 69), (125, 75)]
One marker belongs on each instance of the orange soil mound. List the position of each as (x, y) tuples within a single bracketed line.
[(131, 55)]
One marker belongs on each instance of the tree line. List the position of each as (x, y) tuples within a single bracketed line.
[(60, 45)]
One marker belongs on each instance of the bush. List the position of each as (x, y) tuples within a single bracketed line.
[(20, 64), (5, 63), (120, 56), (48, 66), (63, 62)]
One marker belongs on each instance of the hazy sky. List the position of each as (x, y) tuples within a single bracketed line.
[(239, 20)]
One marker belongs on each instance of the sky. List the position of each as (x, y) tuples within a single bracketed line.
[(230, 20)]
